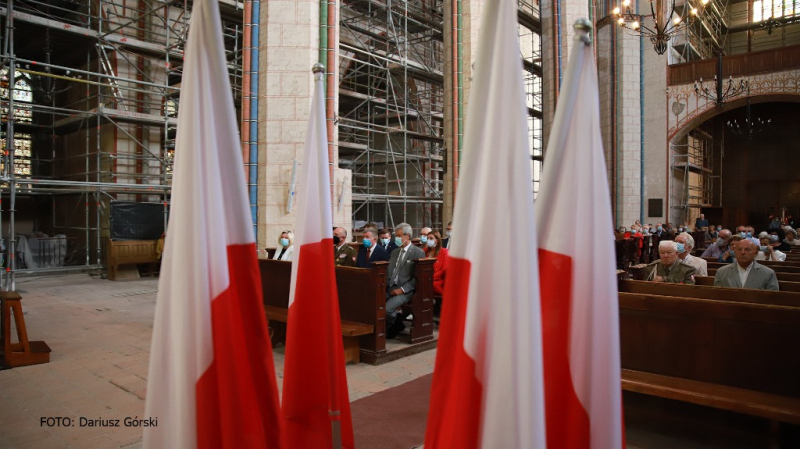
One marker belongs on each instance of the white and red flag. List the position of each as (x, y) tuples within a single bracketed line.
[(211, 382), (577, 270), (315, 406), (487, 387)]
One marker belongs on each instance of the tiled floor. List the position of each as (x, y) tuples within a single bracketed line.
[(99, 332)]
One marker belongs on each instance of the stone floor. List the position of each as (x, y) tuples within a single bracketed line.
[(99, 332)]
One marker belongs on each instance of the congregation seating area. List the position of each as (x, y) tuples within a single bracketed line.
[(728, 350), (362, 306)]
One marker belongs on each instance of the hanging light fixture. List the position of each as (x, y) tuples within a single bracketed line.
[(750, 126), (721, 93), (664, 27)]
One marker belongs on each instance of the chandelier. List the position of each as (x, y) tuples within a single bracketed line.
[(720, 93), (664, 26), (750, 126)]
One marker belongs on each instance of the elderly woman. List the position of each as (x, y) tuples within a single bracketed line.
[(434, 250), (285, 246), (791, 237), (769, 249)]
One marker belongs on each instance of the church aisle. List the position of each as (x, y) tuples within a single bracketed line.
[(100, 332)]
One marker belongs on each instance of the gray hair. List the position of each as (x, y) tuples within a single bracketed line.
[(407, 230), (667, 244), (689, 238), (372, 231)]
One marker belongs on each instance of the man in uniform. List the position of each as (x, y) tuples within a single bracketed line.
[(343, 254), (669, 268)]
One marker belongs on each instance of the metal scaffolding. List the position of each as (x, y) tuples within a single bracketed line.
[(391, 105), (694, 177), (93, 89), (391, 95)]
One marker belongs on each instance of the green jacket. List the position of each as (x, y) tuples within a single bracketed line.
[(679, 273), (345, 256)]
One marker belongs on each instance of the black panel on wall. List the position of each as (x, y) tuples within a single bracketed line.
[(136, 221), (655, 207)]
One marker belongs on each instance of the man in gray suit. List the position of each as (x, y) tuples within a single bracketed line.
[(745, 271), (400, 280)]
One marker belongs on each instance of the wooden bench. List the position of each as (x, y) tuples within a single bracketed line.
[(362, 300), (735, 355), (710, 292), (24, 352), (785, 286), (351, 331), (127, 252)]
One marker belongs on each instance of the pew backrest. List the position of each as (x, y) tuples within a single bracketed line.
[(739, 344), (791, 299)]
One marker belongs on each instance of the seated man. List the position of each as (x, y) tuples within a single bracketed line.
[(343, 254), (685, 246), (385, 240), (370, 251), (669, 268), (769, 249), (746, 272), (400, 280), (730, 255)]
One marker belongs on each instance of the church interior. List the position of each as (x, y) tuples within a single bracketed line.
[(698, 103)]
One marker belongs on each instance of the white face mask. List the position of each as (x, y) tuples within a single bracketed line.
[(448, 233), (431, 243)]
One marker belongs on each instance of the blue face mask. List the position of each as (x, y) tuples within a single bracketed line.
[(284, 242), (719, 229), (367, 243), (385, 242), (681, 248), (398, 241), (423, 239), (659, 228), (763, 248), (749, 234), (744, 235)]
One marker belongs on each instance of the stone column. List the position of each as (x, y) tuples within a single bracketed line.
[(289, 47), (470, 21), (656, 145)]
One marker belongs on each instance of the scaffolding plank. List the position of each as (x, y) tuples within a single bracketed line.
[(118, 39), (417, 71), (118, 115), (529, 21)]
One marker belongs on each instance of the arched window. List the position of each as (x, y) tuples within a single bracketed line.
[(23, 97)]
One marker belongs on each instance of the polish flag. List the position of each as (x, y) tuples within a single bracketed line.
[(211, 382), (316, 407), (487, 387), (578, 271)]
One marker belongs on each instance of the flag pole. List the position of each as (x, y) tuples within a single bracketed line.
[(334, 412)]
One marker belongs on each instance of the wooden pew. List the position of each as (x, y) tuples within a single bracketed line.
[(792, 277), (789, 299), (778, 267), (130, 252), (362, 301), (785, 286), (735, 356)]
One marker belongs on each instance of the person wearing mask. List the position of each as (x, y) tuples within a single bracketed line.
[(434, 250), (343, 254), (370, 251), (285, 246), (685, 243), (400, 280), (659, 230), (669, 268), (423, 237), (720, 246), (746, 272), (446, 241), (385, 240), (769, 250), (750, 233)]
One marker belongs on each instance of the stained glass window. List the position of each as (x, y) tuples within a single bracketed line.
[(23, 96)]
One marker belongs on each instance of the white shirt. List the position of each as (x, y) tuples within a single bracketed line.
[(743, 272), (779, 255)]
